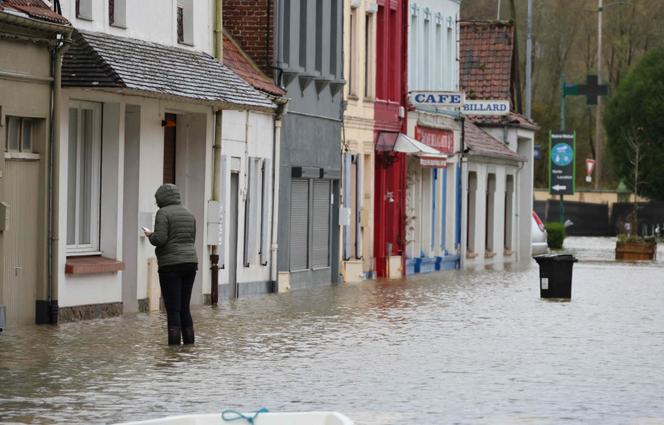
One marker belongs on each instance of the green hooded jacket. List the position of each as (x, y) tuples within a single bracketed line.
[(174, 229)]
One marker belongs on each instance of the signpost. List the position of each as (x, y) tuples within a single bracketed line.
[(562, 166), (562, 162)]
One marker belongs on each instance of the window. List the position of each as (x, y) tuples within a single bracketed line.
[(368, 55), (180, 24), (352, 52), (185, 22), (19, 134), (84, 177), (84, 9), (117, 13)]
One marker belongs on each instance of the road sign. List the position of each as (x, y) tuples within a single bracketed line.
[(591, 90), (562, 161)]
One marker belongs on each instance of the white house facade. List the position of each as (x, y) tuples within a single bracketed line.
[(145, 103), (432, 200)]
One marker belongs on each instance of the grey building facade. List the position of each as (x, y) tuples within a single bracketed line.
[(299, 43), (308, 42)]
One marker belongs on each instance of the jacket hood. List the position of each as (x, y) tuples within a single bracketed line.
[(167, 194)]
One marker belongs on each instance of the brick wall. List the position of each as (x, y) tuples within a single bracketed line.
[(251, 23)]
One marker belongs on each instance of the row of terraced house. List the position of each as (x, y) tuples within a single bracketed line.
[(292, 128)]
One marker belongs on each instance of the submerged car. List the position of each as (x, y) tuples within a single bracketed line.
[(538, 236)]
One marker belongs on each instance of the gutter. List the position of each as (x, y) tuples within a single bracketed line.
[(216, 164), (54, 172)]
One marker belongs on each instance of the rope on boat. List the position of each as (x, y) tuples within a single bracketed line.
[(233, 415)]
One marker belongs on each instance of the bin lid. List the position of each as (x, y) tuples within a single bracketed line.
[(556, 257)]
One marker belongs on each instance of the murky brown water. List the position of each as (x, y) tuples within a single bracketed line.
[(456, 347)]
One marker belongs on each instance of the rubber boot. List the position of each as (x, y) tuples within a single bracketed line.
[(188, 335), (174, 336)]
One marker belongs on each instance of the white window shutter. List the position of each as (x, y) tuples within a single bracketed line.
[(252, 207), (266, 208), (225, 189)]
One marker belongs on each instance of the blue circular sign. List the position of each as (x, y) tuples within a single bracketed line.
[(562, 154)]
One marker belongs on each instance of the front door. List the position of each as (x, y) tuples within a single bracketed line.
[(22, 236)]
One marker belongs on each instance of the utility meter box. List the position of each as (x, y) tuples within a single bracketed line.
[(215, 223)]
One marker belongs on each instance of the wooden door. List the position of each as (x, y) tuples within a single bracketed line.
[(22, 236)]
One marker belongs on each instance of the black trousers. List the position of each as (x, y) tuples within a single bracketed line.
[(176, 282)]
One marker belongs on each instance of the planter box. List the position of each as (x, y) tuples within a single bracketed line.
[(634, 251), (426, 265)]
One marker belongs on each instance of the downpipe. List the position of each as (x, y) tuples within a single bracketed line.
[(216, 165)]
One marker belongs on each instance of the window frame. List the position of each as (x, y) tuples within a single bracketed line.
[(95, 205), (22, 121)]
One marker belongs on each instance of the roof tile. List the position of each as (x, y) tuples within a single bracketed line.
[(103, 60), (36, 9)]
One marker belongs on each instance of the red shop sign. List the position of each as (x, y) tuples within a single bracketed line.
[(443, 140)]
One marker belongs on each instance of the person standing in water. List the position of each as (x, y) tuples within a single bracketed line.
[(173, 236)]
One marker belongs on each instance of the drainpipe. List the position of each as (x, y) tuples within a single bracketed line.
[(216, 165), (281, 110), (54, 181)]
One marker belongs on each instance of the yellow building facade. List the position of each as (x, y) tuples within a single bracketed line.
[(357, 140)]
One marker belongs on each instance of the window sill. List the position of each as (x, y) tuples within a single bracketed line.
[(121, 26), (186, 43), (22, 155), (84, 18), (92, 265)]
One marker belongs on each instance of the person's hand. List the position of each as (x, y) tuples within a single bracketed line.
[(148, 232)]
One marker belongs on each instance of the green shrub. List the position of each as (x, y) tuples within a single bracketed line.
[(555, 235)]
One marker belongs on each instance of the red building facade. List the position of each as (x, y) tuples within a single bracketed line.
[(390, 120)]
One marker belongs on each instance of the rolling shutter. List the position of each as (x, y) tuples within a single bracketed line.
[(321, 224), (299, 224)]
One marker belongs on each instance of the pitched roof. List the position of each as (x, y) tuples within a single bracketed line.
[(35, 9), (103, 60), (511, 119), (237, 60), (481, 143), (486, 54)]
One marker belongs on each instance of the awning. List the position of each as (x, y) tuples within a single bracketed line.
[(429, 157)]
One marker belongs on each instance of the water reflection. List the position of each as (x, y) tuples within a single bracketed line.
[(457, 347)]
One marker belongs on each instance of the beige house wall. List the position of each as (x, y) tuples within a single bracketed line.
[(24, 92), (358, 127)]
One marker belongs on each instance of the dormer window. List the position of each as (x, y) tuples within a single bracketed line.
[(185, 22)]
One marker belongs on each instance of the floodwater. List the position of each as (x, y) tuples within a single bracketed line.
[(460, 347)]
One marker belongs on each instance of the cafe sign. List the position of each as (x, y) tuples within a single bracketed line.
[(437, 98)]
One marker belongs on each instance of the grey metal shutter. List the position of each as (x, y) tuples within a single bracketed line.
[(299, 224), (321, 224), (266, 207)]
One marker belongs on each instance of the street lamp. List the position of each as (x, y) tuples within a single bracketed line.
[(598, 119)]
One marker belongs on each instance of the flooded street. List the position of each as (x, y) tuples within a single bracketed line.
[(454, 347)]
